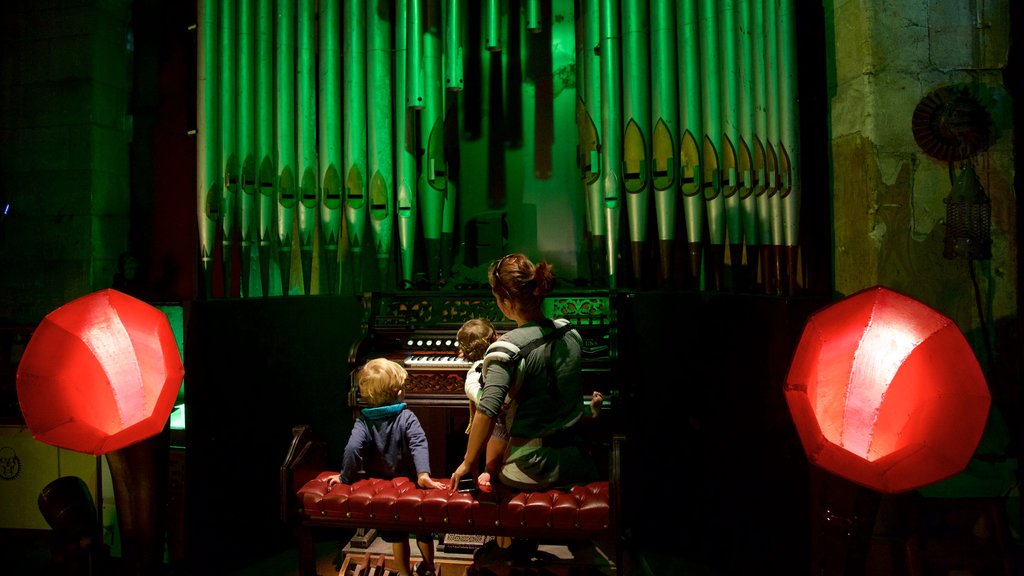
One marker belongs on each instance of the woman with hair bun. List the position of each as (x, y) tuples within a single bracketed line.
[(540, 392)]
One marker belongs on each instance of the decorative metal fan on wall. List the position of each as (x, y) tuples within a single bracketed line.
[(952, 123)]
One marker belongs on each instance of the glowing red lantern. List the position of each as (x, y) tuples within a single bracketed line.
[(886, 392), (99, 373)]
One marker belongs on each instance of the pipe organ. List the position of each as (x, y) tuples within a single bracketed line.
[(331, 132)]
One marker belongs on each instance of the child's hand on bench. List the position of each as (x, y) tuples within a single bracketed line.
[(425, 481)]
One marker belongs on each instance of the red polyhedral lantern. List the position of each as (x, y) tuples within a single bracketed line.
[(886, 392), (99, 373)]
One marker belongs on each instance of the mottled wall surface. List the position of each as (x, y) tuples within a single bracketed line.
[(889, 210)]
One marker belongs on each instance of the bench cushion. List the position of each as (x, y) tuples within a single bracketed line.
[(579, 513)]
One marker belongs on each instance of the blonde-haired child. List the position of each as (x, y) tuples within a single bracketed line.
[(387, 422)]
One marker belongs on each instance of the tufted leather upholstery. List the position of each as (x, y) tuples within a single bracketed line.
[(581, 513), (584, 513)]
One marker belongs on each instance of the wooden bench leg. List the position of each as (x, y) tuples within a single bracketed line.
[(307, 555)]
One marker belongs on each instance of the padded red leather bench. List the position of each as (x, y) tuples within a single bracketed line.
[(585, 513)]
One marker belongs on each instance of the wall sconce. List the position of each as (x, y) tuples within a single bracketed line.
[(968, 218), (953, 124)]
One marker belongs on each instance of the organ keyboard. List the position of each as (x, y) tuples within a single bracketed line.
[(418, 330), (444, 361)]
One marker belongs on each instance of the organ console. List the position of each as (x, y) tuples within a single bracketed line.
[(417, 330)]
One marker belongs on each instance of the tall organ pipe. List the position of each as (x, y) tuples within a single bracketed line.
[(532, 15), (355, 150), (691, 127), (450, 127), (228, 136), (450, 137), (414, 53), (433, 185), (539, 65), (744, 159), (305, 109), (771, 144), (730, 74), (636, 111), (405, 148), (246, 136), (453, 77), (287, 162), (437, 20), (711, 96), (512, 66), (789, 141), (492, 25), (611, 121), (665, 136), (209, 186), (380, 138), (588, 125), (759, 152), (332, 167), (266, 174)]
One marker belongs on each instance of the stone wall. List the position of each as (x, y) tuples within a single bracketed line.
[(64, 151)]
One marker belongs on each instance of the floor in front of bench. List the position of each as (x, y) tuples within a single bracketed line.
[(550, 560)]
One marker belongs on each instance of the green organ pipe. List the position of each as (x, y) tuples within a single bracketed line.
[(453, 69), (664, 138), (611, 121), (305, 136), (532, 15), (414, 54), (433, 185), (691, 127), (588, 123), (208, 184), (775, 272), (434, 56), (636, 111), (228, 137), (744, 160), (436, 27), (246, 137), (405, 146), (758, 152), (730, 74), (332, 166), (711, 97), (287, 162), (453, 84), (380, 142), (772, 138), (492, 25), (266, 173), (789, 141), (355, 148)]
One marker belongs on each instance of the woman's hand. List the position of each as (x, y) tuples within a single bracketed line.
[(461, 471), (332, 480)]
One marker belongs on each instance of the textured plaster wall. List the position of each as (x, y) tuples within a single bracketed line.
[(889, 214)]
